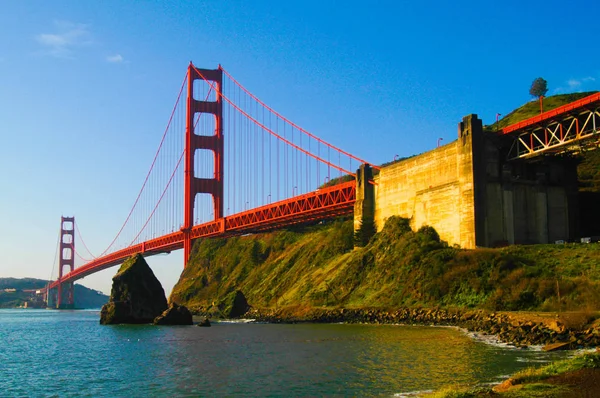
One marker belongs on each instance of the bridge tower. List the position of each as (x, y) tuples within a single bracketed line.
[(65, 298), (192, 184)]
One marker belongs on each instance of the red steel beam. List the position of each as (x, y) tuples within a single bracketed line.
[(561, 110)]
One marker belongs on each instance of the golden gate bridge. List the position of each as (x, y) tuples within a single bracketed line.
[(228, 164)]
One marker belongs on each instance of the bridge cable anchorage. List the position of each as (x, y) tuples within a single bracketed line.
[(149, 171), (249, 117), (292, 123)]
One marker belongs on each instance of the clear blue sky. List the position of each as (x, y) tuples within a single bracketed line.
[(86, 88)]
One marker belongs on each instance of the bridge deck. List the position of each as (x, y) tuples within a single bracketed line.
[(564, 110), (317, 205)]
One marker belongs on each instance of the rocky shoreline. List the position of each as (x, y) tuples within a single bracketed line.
[(520, 329)]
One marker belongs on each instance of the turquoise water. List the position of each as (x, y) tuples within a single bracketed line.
[(67, 353)]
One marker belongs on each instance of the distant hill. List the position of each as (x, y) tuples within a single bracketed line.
[(15, 293)]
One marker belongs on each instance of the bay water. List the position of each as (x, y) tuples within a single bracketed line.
[(47, 353)]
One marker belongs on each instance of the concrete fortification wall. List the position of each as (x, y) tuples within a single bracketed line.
[(471, 195), (434, 188)]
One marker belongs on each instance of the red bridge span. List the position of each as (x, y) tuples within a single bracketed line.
[(227, 164)]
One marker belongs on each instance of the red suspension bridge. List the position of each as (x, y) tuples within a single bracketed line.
[(241, 167)]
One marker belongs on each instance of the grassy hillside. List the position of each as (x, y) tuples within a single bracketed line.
[(317, 266), (84, 297)]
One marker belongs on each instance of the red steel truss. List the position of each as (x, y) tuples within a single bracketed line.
[(565, 129), (321, 204)]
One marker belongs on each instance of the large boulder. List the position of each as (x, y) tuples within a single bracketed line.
[(234, 305), (136, 295), (175, 315)]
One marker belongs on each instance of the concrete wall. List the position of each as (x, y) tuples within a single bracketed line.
[(533, 201), (472, 196), (435, 188)]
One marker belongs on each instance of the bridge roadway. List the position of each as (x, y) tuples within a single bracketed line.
[(321, 204)]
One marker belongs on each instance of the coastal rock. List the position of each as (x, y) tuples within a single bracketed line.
[(556, 326), (557, 346), (174, 315), (136, 295), (204, 323), (234, 305)]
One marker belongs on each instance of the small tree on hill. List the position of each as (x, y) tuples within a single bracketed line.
[(539, 88)]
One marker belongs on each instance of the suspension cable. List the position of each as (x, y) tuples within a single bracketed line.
[(151, 167), (271, 131), (82, 241), (290, 122), (55, 256)]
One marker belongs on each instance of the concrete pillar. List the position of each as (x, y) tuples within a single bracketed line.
[(541, 214), (364, 207), (471, 179), (509, 215)]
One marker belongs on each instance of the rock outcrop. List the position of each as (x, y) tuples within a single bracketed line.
[(234, 305), (136, 295), (204, 323), (174, 315)]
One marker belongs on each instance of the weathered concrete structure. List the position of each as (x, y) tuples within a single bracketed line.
[(472, 196)]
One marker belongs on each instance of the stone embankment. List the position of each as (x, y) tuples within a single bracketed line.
[(515, 328)]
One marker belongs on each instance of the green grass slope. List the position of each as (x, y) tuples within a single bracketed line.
[(317, 266)]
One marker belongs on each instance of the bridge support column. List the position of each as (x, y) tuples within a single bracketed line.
[(65, 298), (193, 141), (51, 298), (471, 181), (364, 206)]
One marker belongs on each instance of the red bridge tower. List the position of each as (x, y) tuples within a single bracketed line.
[(65, 298), (192, 184)]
